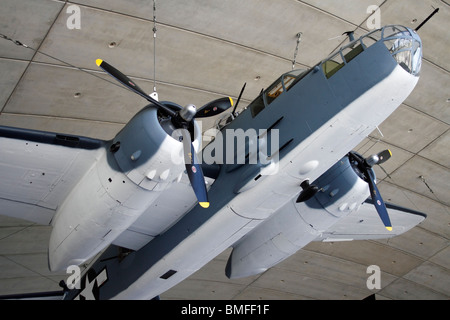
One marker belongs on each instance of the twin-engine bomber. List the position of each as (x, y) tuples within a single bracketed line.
[(154, 213)]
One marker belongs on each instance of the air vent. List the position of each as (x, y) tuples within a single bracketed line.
[(168, 274)]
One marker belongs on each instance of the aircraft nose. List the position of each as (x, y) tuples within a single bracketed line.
[(406, 48)]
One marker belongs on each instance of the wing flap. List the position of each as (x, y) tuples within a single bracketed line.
[(39, 169), (364, 224)]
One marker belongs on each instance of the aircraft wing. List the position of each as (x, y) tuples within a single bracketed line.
[(364, 224), (38, 169), (286, 232), (170, 206)]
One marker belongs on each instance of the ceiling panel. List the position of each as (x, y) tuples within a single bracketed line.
[(28, 22), (436, 178), (437, 220), (431, 95), (357, 13), (70, 93), (439, 151), (182, 57), (410, 129), (10, 73)]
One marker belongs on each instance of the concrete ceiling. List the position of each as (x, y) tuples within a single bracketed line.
[(207, 49)]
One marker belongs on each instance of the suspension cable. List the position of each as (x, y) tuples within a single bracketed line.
[(299, 38), (154, 45)]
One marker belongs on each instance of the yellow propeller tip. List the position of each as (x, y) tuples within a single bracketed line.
[(98, 62), (204, 204), (231, 101), (389, 228)]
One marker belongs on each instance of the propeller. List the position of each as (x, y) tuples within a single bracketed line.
[(364, 167), (182, 119)]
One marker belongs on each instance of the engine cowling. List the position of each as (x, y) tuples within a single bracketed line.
[(149, 150), (341, 190), (145, 158)]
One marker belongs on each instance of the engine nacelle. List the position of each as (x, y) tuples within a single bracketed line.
[(128, 176), (341, 190), (148, 150)]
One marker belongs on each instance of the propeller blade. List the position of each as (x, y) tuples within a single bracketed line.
[(384, 156), (378, 200), (193, 168), (214, 107), (194, 171), (127, 82)]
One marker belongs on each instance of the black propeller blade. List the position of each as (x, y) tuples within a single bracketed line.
[(378, 201), (384, 156), (378, 158), (181, 119), (194, 171), (123, 79), (214, 107)]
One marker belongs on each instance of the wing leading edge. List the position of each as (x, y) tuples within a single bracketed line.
[(38, 170)]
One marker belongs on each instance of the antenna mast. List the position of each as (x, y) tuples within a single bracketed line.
[(428, 18)]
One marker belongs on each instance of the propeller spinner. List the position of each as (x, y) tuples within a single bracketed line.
[(182, 120)]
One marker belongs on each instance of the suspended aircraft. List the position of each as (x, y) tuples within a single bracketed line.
[(153, 206)]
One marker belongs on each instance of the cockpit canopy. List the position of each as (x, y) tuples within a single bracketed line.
[(280, 85), (403, 43)]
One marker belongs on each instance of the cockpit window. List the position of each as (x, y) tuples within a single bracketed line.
[(351, 52), (257, 106), (406, 50), (390, 31), (333, 65), (371, 38), (343, 56), (274, 91), (282, 84)]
